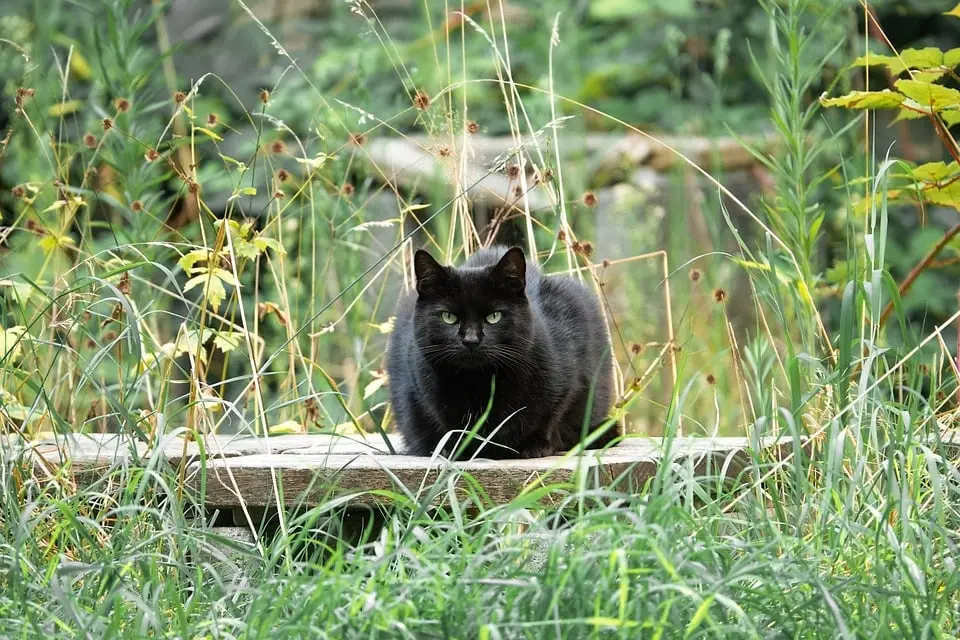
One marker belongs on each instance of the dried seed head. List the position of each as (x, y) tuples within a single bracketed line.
[(179, 97), (107, 124), (472, 127), (695, 275), (444, 151), (711, 380), (719, 295), (584, 248), (606, 263), (636, 348), (264, 96), (347, 189), (124, 285), (547, 175), (193, 187), (279, 195), (212, 119), (283, 175), (513, 171), (562, 236), (151, 155), (89, 141), (590, 199), (18, 191), (421, 100), (136, 206), (22, 96), (277, 146), (518, 191), (358, 139), (110, 336), (122, 105)]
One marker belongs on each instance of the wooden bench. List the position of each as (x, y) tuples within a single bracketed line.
[(229, 471)]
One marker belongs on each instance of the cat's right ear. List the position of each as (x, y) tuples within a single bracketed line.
[(431, 275)]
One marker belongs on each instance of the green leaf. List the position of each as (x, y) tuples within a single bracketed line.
[(885, 99), (245, 249), (928, 94), (268, 243), (955, 12), (227, 341), (950, 118), (698, 616)]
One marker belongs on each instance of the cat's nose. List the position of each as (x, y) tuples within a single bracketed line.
[(470, 338)]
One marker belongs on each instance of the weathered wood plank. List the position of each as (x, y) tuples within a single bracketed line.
[(312, 468), (310, 479)]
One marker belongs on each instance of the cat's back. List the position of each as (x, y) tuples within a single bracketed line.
[(571, 310)]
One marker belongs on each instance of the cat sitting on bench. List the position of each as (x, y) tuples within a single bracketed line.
[(494, 342)]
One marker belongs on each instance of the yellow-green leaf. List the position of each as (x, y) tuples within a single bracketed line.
[(64, 108), (241, 166), (930, 95), (48, 244), (288, 426), (947, 194), (213, 289), (226, 276), (187, 260), (934, 171), (227, 341), (614, 623), (56, 206), (210, 134), (262, 244), (951, 118), (885, 99), (955, 12), (11, 343), (374, 386)]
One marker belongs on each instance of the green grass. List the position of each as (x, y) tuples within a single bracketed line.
[(854, 535)]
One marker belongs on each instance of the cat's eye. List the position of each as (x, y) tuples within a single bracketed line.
[(494, 317), (448, 317)]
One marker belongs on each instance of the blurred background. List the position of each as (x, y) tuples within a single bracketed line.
[(330, 130)]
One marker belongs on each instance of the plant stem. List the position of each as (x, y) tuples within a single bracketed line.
[(920, 268)]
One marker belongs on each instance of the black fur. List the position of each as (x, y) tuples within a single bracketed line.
[(544, 353)]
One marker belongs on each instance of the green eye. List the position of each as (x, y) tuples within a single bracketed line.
[(494, 317), (448, 317)]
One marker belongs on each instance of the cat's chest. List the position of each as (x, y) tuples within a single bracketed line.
[(473, 394)]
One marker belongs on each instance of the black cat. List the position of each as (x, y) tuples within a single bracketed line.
[(496, 324)]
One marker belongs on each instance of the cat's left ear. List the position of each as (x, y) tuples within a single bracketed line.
[(510, 274)]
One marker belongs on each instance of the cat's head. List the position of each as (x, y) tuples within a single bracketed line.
[(473, 317)]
